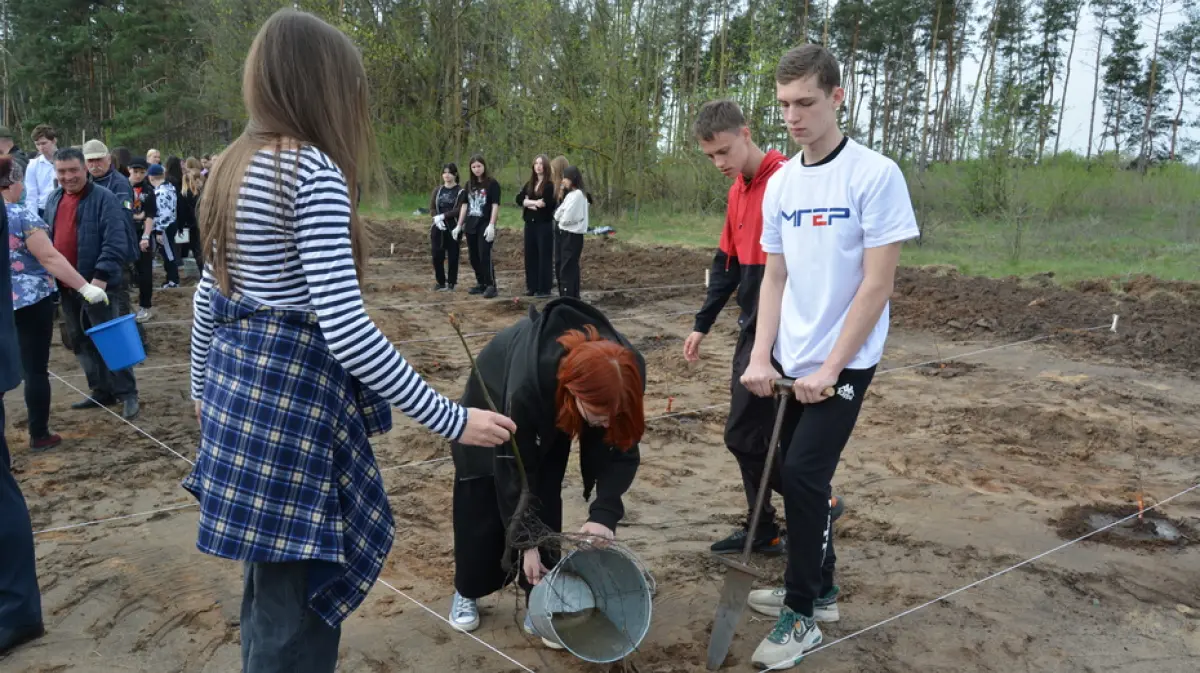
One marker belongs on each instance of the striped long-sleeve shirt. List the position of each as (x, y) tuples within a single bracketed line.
[(293, 251)]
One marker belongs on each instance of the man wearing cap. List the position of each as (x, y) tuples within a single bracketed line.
[(39, 176), (145, 212), (92, 232), (8, 147), (99, 165)]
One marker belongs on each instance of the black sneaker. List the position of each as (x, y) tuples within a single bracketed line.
[(478, 289), (95, 402), (450, 287), (440, 287), (735, 543), (490, 292)]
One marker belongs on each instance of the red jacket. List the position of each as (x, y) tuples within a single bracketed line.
[(740, 260)]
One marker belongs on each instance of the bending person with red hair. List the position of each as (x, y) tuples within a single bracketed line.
[(563, 374)]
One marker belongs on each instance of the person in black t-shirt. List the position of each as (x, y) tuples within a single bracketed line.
[(144, 211), (477, 217), (444, 235), (537, 199)]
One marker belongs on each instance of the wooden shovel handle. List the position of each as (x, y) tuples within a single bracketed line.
[(785, 385)]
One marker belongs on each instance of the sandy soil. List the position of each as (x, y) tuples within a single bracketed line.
[(958, 470)]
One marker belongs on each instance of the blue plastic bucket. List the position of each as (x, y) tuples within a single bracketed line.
[(118, 342)]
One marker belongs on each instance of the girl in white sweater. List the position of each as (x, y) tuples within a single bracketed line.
[(571, 218)]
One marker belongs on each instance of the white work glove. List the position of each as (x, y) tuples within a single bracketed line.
[(457, 230), (489, 234), (93, 294), (439, 221)]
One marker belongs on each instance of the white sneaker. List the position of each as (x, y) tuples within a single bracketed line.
[(545, 641), (144, 315), (785, 646), (464, 613), (769, 602)]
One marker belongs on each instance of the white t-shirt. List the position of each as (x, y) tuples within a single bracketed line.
[(821, 218)]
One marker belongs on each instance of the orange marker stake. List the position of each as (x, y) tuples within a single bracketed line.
[(1141, 506), (670, 403)]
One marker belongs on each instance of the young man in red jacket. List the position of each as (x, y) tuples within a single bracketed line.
[(724, 137)]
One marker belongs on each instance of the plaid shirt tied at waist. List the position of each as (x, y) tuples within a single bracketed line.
[(285, 471)]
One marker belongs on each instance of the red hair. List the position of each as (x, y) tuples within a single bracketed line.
[(604, 376)]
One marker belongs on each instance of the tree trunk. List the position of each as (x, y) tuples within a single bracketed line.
[(1096, 81), (925, 111), (1067, 78), (1144, 152), (1181, 87)]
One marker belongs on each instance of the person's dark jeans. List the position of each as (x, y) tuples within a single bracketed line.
[(196, 247), (480, 253), (570, 249), (78, 317), (812, 439), (539, 257), (748, 434), (145, 276), (35, 329), (280, 632), (445, 249), (20, 599), (165, 241)]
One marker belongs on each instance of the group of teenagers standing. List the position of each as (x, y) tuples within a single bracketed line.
[(554, 207), (290, 377)]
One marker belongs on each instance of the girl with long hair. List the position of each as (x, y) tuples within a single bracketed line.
[(561, 375), (174, 168), (477, 216), (188, 216), (536, 199), (571, 219), (289, 374), (444, 239)]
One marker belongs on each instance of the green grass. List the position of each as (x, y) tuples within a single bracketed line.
[(1073, 247)]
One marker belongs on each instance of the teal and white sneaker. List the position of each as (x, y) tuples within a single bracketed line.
[(464, 613), (785, 646), (545, 641), (769, 602)]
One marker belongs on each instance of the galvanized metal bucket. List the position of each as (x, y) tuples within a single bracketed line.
[(596, 603)]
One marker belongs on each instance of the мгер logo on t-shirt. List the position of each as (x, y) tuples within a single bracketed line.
[(817, 217)]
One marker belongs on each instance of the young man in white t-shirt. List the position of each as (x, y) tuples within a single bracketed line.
[(834, 220)]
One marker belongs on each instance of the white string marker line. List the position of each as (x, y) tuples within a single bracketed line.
[(416, 464), (123, 517), (124, 420), (972, 585), (470, 635)]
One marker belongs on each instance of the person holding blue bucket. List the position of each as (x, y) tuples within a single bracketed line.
[(35, 263), (563, 374), (289, 374), (91, 229)]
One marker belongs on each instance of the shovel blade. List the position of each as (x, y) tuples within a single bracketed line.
[(734, 594)]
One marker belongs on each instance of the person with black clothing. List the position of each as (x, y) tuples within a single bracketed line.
[(477, 217), (144, 211), (536, 199), (100, 166), (20, 598), (444, 235), (571, 219), (166, 203), (187, 217), (562, 374)]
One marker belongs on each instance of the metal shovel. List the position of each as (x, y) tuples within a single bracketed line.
[(739, 574)]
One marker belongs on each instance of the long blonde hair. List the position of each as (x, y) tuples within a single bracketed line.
[(193, 181), (304, 84), (557, 166)]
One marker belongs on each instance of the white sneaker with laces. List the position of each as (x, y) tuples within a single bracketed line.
[(464, 613), (769, 602), (144, 315), (785, 646)]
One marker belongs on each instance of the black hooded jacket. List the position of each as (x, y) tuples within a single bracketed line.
[(520, 368)]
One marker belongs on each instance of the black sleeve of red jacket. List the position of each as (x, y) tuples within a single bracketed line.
[(723, 281)]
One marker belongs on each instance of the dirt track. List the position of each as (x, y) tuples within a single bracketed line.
[(955, 472)]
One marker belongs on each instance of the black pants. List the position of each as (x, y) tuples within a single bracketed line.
[(539, 257), (480, 252), (192, 247), (280, 632), (570, 248), (20, 599), (165, 240), (445, 249), (145, 276), (812, 439), (78, 316), (747, 434), (35, 329), (479, 530)]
